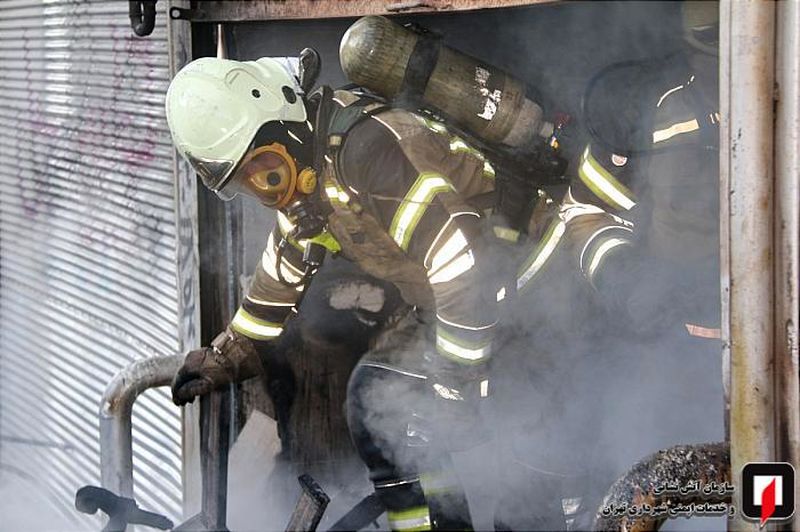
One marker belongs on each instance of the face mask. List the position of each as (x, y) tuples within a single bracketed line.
[(270, 174)]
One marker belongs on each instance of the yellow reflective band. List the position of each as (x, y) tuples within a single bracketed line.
[(461, 351), (327, 240), (255, 328), (488, 170), (603, 184), (675, 129), (332, 192), (413, 519), (414, 205), (601, 252), (541, 253), (505, 233), (456, 145), (433, 125), (463, 263)]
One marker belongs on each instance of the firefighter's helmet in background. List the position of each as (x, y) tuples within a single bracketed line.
[(215, 109), (701, 25)]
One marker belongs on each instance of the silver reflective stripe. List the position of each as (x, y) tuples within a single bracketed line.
[(266, 303), (449, 250), (394, 369), (542, 253), (501, 294), (390, 128), (572, 208), (675, 129), (591, 239), (466, 327), (394, 483), (458, 266), (663, 96), (602, 251), (290, 273), (284, 224), (442, 231), (450, 394)]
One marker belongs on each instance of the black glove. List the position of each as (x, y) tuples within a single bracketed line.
[(230, 358)]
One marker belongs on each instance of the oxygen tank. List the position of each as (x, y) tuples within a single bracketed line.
[(481, 99)]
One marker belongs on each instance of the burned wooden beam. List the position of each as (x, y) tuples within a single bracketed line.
[(678, 476)]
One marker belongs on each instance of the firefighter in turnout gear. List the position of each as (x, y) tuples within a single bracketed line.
[(646, 181), (385, 188), (657, 165)]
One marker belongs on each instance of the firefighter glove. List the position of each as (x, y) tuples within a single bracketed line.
[(230, 358)]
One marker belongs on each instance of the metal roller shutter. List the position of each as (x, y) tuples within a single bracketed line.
[(87, 243)]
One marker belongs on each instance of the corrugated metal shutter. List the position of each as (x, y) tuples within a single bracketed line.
[(87, 242)]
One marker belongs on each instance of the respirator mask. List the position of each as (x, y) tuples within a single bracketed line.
[(272, 176)]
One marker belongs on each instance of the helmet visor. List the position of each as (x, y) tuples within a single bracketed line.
[(211, 172), (267, 173)]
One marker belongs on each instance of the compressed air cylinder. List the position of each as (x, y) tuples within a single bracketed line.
[(482, 99)]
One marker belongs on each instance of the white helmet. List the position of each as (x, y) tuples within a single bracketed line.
[(215, 107)]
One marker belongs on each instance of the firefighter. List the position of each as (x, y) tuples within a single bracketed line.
[(638, 224), (389, 190), (656, 163), (653, 269)]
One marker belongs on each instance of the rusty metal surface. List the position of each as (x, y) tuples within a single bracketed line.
[(681, 464), (787, 237), (179, 38), (746, 163), (87, 240), (216, 11)]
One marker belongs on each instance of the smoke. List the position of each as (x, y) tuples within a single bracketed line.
[(26, 505), (578, 392)]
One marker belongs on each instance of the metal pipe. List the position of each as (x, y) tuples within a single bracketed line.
[(787, 234), (747, 43), (116, 406)]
